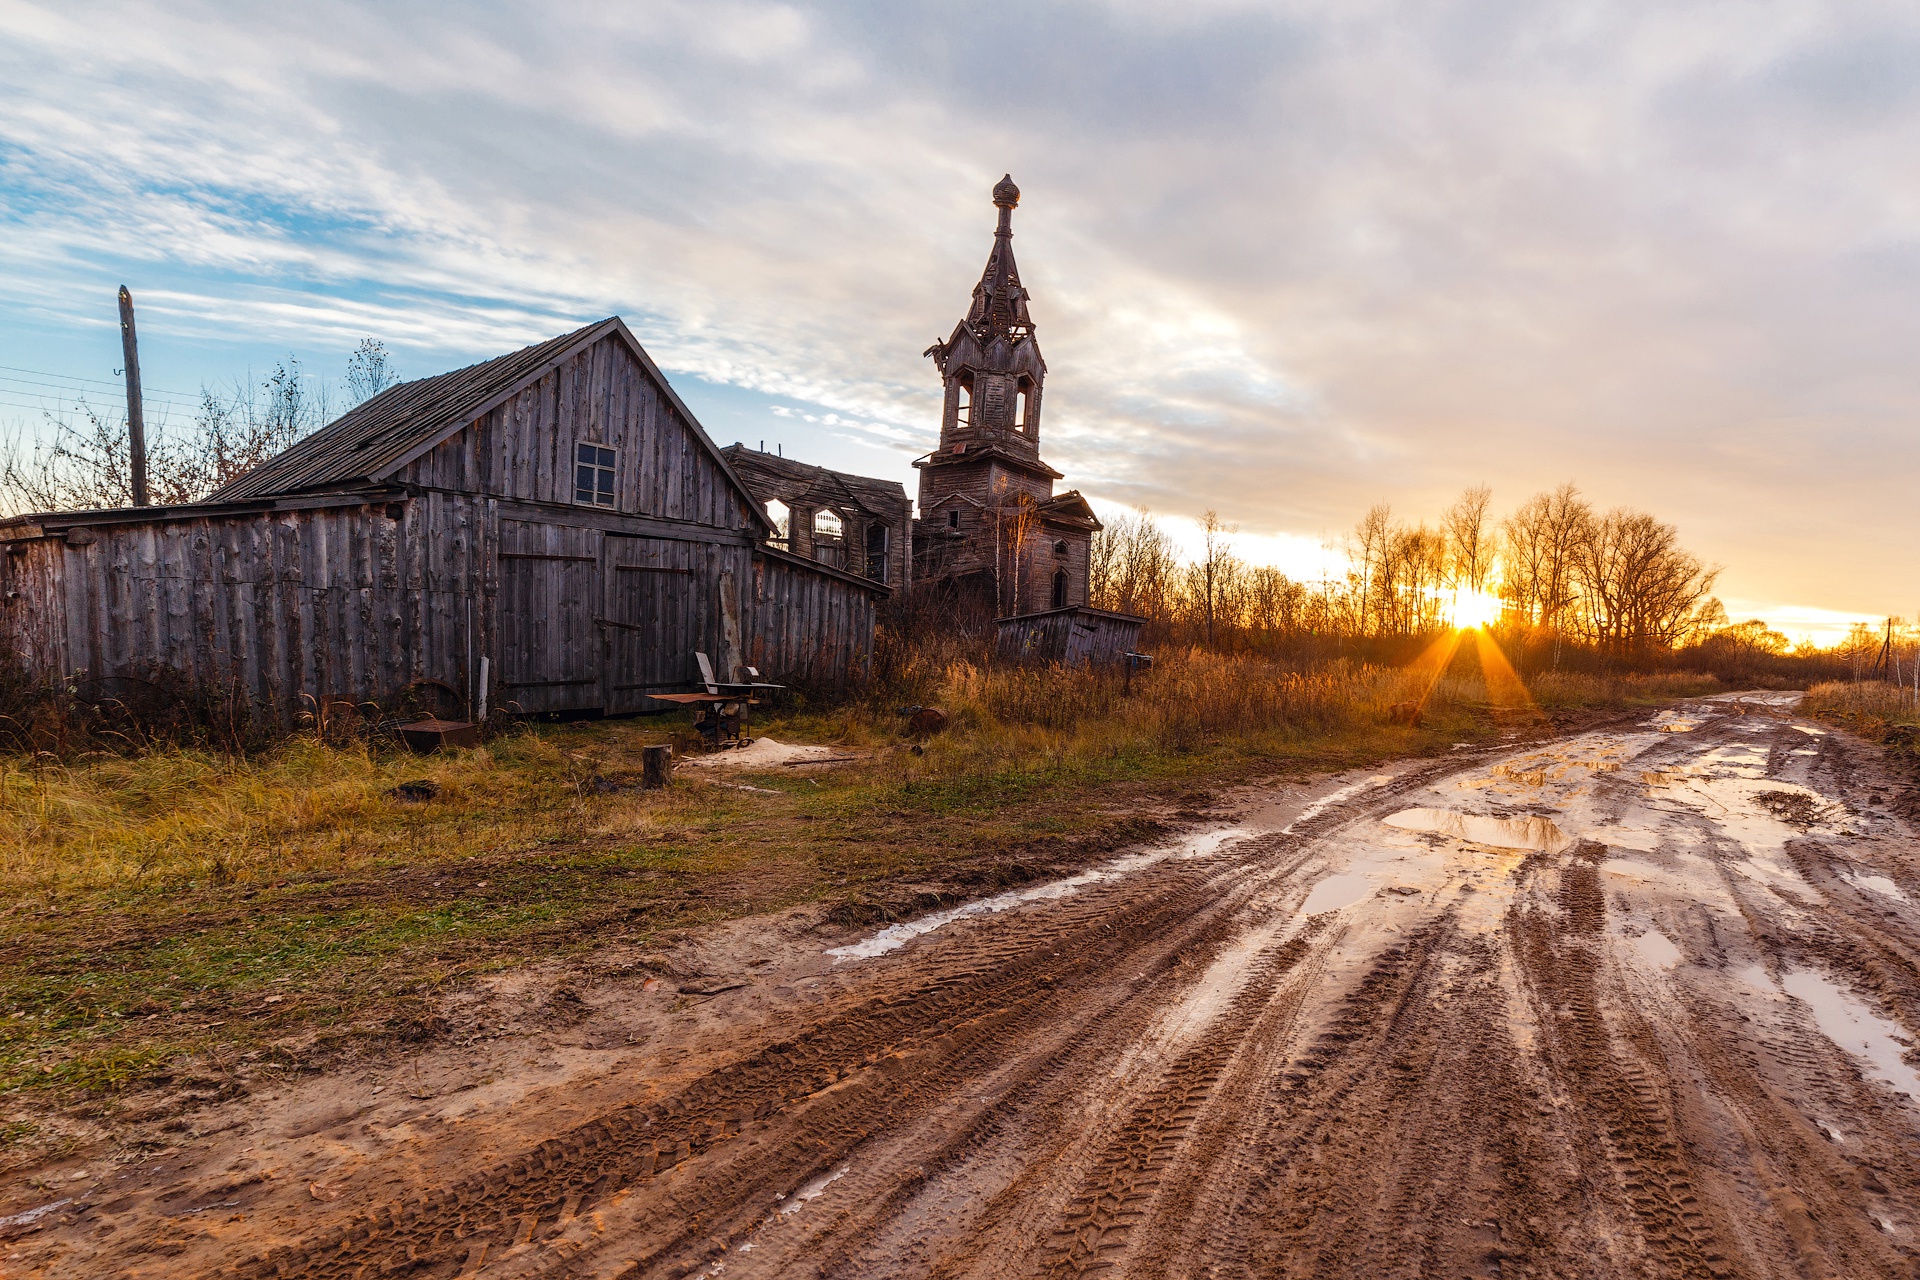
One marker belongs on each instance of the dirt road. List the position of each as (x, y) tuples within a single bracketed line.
[(1639, 1002)]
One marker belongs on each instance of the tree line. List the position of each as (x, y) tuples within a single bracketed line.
[(1567, 583)]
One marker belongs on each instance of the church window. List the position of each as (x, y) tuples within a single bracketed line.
[(1024, 410), (593, 475), (782, 518), (953, 518), (963, 414), (1060, 589), (1060, 549), (877, 551), (827, 524)]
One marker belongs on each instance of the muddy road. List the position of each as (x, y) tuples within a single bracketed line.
[(1637, 1002)]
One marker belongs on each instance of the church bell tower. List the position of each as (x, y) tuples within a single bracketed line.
[(987, 506)]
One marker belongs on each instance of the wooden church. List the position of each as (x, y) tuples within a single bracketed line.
[(991, 528)]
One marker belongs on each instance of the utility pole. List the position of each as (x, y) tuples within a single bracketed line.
[(136, 421)]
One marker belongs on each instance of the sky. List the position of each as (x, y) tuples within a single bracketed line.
[(1286, 260)]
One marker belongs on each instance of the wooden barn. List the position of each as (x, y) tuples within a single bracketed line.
[(549, 531)]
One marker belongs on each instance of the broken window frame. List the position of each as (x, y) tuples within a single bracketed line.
[(599, 466)]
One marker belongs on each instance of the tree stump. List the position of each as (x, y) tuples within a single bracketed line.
[(656, 765)]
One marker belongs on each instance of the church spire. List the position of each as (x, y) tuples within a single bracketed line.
[(991, 364), (999, 303)]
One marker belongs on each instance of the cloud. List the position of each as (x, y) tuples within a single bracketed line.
[(1285, 262)]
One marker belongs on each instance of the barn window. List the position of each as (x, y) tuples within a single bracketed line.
[(593, 475), (953, 518), (1060, 589), (1060, 549), (777, 512), (827, 524)]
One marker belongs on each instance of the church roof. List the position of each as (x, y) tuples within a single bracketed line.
[(768, 475), (977, 452), (999, 302)]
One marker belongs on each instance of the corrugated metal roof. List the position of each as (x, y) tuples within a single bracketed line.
[(370, 440)]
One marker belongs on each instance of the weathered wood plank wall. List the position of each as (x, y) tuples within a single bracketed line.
[(287, 607), (808, 628), (524, 449)]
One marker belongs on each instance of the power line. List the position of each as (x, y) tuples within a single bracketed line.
[(43, 407), (103, 382), (162, 398)]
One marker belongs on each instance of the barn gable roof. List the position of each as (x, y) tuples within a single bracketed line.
[(371, 442)]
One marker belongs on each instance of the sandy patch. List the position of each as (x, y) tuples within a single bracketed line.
[(766, 753)]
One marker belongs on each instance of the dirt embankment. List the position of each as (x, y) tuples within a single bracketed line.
[(1640, 1001)]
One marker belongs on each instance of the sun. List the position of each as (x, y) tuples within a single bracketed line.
[(1470, 609)]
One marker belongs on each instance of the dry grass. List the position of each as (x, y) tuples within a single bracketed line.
[(1865, 699), (1877, 710), (1568, 689), (153, 900)]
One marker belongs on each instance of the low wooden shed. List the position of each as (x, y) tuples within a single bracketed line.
[(556, 518), (1075, 635)]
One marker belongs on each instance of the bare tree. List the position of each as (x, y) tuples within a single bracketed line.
[(1640, 589), (1134, 566), (79, 461), (1544, 540), (369, 370), (1367, 549), (1214, 555), (1469, 539)]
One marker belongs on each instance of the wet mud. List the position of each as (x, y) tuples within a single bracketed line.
[(1601, 1006)]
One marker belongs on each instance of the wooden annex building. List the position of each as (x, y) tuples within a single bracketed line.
[(851, 522), (551, 531)]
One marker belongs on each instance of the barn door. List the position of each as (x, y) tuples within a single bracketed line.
[(550, 647), (653, 620)]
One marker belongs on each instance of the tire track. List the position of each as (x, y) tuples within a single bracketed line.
[(1125, 1176)]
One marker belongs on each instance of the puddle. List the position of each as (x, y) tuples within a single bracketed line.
[(1657, 949), (1846, 1020), (1333, 798), (1878, 884), (1500, 833), (895, 936), (1336, 892), (1757, 977), (1760, 697), (32, 1216), (1807, 728), (813, 1190)]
